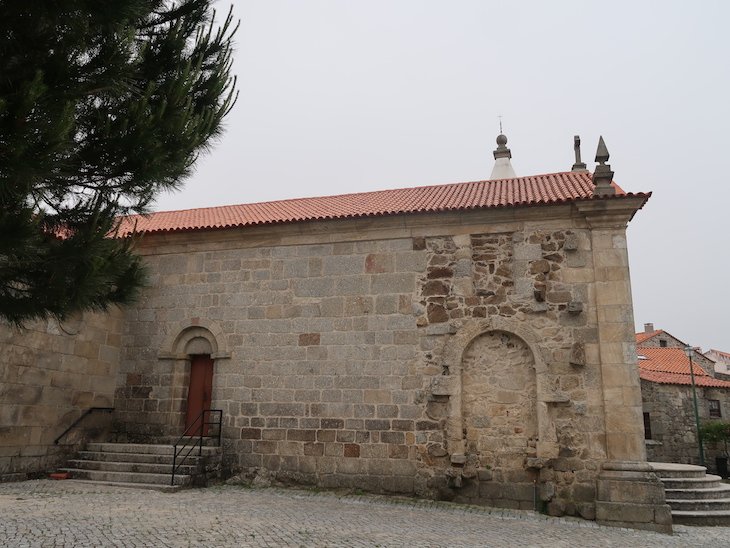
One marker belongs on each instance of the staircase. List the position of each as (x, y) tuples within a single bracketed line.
[(142, 466), (695, 497)]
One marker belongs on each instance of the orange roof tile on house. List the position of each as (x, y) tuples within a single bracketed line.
[(671, 366), (552, 188), (644, 336), (725, 355), (669, 360), (675, 378)]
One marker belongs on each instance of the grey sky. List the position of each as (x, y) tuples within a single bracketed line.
[(344, 96)]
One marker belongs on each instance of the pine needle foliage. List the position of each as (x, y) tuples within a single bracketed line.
[(103, 105)]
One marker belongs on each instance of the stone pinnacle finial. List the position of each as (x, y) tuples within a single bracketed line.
[(502, 151), (602, 154), (603, 175), (502, 166), (578, 165)]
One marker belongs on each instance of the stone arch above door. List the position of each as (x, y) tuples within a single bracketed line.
[(188, 339)]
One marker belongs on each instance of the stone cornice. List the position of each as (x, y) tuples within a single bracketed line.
[(510, 219), (614, 212)]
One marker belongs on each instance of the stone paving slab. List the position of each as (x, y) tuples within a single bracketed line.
[(45, 513)]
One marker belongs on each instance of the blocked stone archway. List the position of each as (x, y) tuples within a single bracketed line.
[(499, 401), (525, 344)]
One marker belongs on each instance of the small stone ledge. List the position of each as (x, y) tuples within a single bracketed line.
[(536, 462), (556, 398), (443, 385)]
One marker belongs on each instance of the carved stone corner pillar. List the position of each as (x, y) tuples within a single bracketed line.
[(629, 494)]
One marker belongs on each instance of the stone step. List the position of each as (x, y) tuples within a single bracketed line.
[(110, 466), (149, 486), (127, 477), (706, 517), (707, 482), (698, 505), (207, 441), (143, 448), (148, 458), (722, 491), (673, 470)]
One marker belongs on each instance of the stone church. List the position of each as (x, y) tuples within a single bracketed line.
[(471, 342)]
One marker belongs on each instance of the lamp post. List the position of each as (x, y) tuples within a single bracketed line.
[(688, 351)]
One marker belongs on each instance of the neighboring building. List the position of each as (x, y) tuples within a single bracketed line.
[(668, 405), (469, 341), (658, 338), (721, 359)]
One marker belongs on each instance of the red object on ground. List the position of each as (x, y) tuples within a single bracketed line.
[(60, 475)]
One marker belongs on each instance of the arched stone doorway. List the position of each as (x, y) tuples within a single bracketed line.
[(193, 354)]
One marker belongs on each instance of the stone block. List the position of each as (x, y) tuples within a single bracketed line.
[(299, 434), (313, 287), (326, 435), (351, 450), (333, 449), (282, 409), (250, 433), (377, 396), (314, 449), (393, 283), (276, 434), (346, 435), (623, 512), (402, 425), (387, 304), (309, 339), (352, 285), (376, 263)]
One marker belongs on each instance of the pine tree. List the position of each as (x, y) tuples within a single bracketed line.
[(103, 105)]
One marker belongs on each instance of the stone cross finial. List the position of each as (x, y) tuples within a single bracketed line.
[(578, 165), (603, 175)]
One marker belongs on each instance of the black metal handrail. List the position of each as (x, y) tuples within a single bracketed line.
[(197, 432), (80, 418)]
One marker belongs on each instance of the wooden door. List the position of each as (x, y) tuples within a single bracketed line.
[(200, 389)]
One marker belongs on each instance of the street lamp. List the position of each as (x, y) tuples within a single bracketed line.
[(688, 351)]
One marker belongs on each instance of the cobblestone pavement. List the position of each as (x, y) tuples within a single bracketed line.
[(68, 513)]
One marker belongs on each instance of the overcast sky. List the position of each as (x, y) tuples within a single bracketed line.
[(342, 96)]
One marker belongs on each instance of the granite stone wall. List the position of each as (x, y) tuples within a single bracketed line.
[(672, 419), (50, 373), (449, 356)]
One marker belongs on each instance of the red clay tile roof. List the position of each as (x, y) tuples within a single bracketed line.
[(552, 188), (641, 337), (668, 359), (676, 378), (671, 366)]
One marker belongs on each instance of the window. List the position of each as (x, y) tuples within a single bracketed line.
[(715, 409), (662, 343), (647, 426)]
